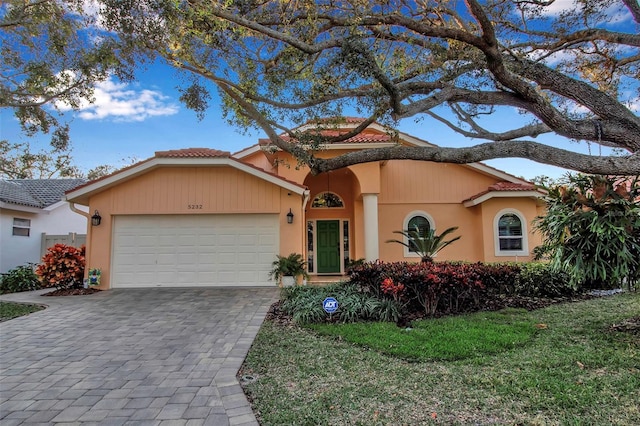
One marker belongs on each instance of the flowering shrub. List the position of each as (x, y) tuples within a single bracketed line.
[(62, 267), (392, 289), (429, 287)]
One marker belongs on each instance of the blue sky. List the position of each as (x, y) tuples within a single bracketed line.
[(133, 120)]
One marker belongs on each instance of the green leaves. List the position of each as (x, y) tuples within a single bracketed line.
[(592, 230), (426, 243)]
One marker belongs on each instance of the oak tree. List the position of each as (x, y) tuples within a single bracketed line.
[(570, 68)]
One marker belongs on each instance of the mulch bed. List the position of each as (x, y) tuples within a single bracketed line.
[(72, 292)]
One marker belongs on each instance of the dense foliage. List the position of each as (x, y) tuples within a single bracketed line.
[(568, 68), (592, 230), (304, 304), (401, 290), (62, 267), (20, 278)]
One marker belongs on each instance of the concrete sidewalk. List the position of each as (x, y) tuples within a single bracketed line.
[(139, 356)]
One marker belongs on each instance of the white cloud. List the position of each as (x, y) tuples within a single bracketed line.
[(119, 102), (615, 12)]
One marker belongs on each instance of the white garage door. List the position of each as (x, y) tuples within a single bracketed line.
[(194, 250)]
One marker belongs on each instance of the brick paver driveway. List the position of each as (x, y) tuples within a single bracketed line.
[(143, 356)]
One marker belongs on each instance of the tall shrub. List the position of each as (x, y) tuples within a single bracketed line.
[(592, 230), (62, 267), (20, 278)]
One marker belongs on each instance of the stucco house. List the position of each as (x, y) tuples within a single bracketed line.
[(34, 216), (203, 217)]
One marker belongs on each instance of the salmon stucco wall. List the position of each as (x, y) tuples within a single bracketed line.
[(469, 247), (411, 181), (194, 190)]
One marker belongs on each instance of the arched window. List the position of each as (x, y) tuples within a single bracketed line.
[(327, 200), (423, 221), (511, 233)]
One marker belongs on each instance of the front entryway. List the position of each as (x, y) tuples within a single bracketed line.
[(328, 240)]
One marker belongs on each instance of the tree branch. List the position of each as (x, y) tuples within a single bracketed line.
[(627, 165)]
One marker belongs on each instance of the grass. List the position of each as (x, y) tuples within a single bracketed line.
[(575, 371), (9, 310), (445, 339)]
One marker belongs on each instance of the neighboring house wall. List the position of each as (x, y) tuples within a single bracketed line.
[(19, 250)]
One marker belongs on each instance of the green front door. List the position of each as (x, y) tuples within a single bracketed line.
[(328, 241)]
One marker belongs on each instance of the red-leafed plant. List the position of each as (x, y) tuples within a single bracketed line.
[(62, 267), (390, 288)]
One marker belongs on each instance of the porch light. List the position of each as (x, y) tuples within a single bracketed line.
[(290, 216), (96, 219)]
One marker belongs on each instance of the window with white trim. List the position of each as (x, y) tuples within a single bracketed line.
[(510, 233), (21, 227), (423, 221)]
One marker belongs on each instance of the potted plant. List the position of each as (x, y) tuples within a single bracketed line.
[(286, 269)]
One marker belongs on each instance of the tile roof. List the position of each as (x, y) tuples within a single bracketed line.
[(511, 186), (505, 186), (38, 193), (193, 153), (364, 137)]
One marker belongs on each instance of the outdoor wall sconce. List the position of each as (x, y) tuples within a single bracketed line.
[(290, 216), (96, 219)]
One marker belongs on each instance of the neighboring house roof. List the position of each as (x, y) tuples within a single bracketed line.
[(505, 189), (38, 193), (179, 157)]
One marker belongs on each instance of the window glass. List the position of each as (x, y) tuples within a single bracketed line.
[(310, 246), (21, 227), (345, 243), (423, 226), (327, 200), (510, 232)]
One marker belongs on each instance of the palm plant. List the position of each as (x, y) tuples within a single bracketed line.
[(427, 243)]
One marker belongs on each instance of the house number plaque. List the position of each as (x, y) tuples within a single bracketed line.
[(194, 206)]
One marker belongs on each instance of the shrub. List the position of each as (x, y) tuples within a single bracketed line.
[(62, 267), (542, 280), (429, 286), (20, 278), (592, 230), (499, 278), (304, 304)]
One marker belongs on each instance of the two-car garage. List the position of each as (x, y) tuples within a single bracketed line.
[(192, 217), (193, 250)]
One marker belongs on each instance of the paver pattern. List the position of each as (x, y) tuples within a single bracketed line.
[(135, 356)]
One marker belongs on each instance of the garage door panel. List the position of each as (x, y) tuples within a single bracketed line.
[(194, 250)]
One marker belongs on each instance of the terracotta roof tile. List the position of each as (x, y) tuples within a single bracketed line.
[(511, 186), (193, 153), (504, 186)]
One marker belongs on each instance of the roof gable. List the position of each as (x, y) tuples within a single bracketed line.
[(505, 189), (189, 157)]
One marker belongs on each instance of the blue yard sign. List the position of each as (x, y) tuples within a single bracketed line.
[(330, 305)]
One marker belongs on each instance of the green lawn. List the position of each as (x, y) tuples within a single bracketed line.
[(9, 310), (570, 369), (444, 339)]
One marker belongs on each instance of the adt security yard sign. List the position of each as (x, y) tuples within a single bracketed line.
[(330, 305)]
